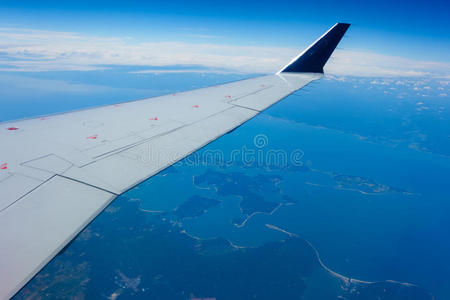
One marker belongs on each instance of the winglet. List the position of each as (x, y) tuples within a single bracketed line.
[(313, 58)]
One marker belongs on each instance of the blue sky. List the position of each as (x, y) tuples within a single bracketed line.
[(412, 29)]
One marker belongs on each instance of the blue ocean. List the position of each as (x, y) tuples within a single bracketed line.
[(340, 191)]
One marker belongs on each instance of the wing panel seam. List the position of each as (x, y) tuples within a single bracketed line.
[(88, 184), (29, 192)]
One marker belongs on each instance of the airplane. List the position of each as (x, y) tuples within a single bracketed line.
[(58, 172)]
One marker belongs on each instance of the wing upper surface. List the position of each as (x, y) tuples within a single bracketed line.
[(58, 172), (76, 163)]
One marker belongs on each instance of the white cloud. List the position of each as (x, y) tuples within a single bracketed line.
[(187, 70), (361, 63), (38, 50)]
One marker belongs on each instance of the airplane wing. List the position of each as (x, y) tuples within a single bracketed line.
[(57, 173)]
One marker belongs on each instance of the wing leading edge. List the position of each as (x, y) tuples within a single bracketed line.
[(59, 172)]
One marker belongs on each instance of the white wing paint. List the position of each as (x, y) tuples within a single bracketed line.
[(59, 172)]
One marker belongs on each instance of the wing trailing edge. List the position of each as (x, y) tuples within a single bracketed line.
[(314, 58)]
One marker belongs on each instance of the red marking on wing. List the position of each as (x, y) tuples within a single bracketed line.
[(43, 118), (4, 166), (174, 94), (154, 119), (92, 137), (116, 105), (227, 96), (195, 106), (263, 85), (13, 128)]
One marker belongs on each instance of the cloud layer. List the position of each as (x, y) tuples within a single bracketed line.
[(38, 50)]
